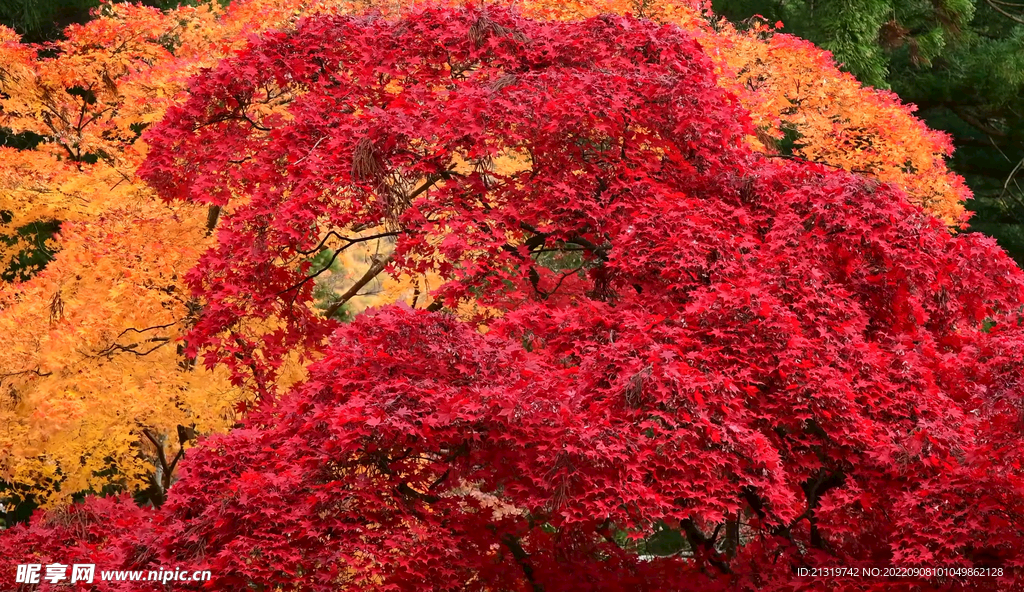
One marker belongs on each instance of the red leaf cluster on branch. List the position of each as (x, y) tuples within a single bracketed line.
[(778, 364)]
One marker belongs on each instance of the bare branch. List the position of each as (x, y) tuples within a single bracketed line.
[(35, 371), (374, 270), (211, 219), (350, 241), (996, 6), (140, 331), (978, 123), (132, 347), (159, 449), (1009, 178), (522, 558)]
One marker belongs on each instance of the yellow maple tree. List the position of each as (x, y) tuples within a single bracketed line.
[(92, 383), (95, 390)]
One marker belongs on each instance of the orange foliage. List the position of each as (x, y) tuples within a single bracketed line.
[(92, 367), (91, 362)]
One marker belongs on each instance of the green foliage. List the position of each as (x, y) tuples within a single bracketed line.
[(861, 34), (561, 257), (960, 61), (39, 20), (17, 507), (33, 258), (848, 29), (323, 294)]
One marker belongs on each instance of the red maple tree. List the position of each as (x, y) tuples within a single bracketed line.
[(708, 368)]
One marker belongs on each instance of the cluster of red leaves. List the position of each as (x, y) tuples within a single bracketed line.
[(788, 365)]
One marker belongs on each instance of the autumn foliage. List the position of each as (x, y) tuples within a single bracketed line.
[(96, 378), (91, 379), (680, 363), (94, 383), (802, 105)]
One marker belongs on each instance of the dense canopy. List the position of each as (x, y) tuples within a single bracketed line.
[(678, 363), (98, 393)]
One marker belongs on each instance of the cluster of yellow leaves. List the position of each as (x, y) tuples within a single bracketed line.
[(92, 359)]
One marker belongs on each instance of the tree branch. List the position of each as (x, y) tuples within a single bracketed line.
[(32, 371), (140, 331), (312, 277), (976, 122), (131, 347), (212, 214), (704, 546), (374, 270), (1013, 173), (159, 450), (405, 489), (576, 239), (995, 6), (350, 241), (522, 558)]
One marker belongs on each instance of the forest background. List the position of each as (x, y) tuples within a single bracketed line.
[(960, 61)]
